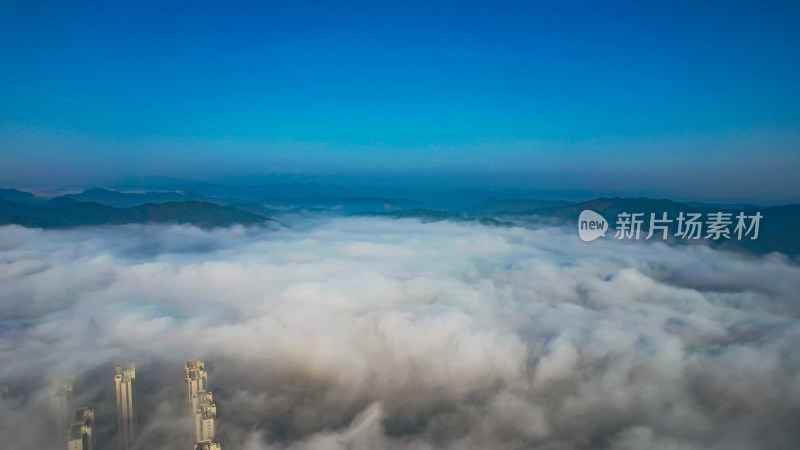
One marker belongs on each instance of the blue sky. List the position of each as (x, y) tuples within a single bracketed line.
[(675, 97)]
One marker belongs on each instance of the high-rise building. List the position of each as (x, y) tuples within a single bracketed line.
[(204, 416), (208, 446), (125, 390), (201, 405), (80, 435), (60, 405), (196, 380)]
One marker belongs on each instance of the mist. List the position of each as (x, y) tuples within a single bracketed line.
[(363, 333)]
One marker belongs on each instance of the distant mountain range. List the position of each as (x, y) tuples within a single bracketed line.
[(779, 227), (64, 212), (279, 200), (128, 199), (349, 204), (13, 195), (257, 188), (427, 215), (513, 205)]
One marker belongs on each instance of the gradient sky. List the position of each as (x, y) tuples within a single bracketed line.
[(681, 98)]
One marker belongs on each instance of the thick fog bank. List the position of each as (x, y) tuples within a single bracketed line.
[(367, 333)]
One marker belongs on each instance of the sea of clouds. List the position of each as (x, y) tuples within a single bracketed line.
[(370, 333)]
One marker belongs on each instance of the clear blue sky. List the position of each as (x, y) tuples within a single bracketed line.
[(676, 97)]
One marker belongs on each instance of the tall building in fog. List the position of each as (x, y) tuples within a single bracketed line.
[(125, 390), (196, 380), (80, 435), (201, 405), (205, 414), (60, 406)]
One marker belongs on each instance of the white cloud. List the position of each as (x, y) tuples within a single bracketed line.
[(380, 333)]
